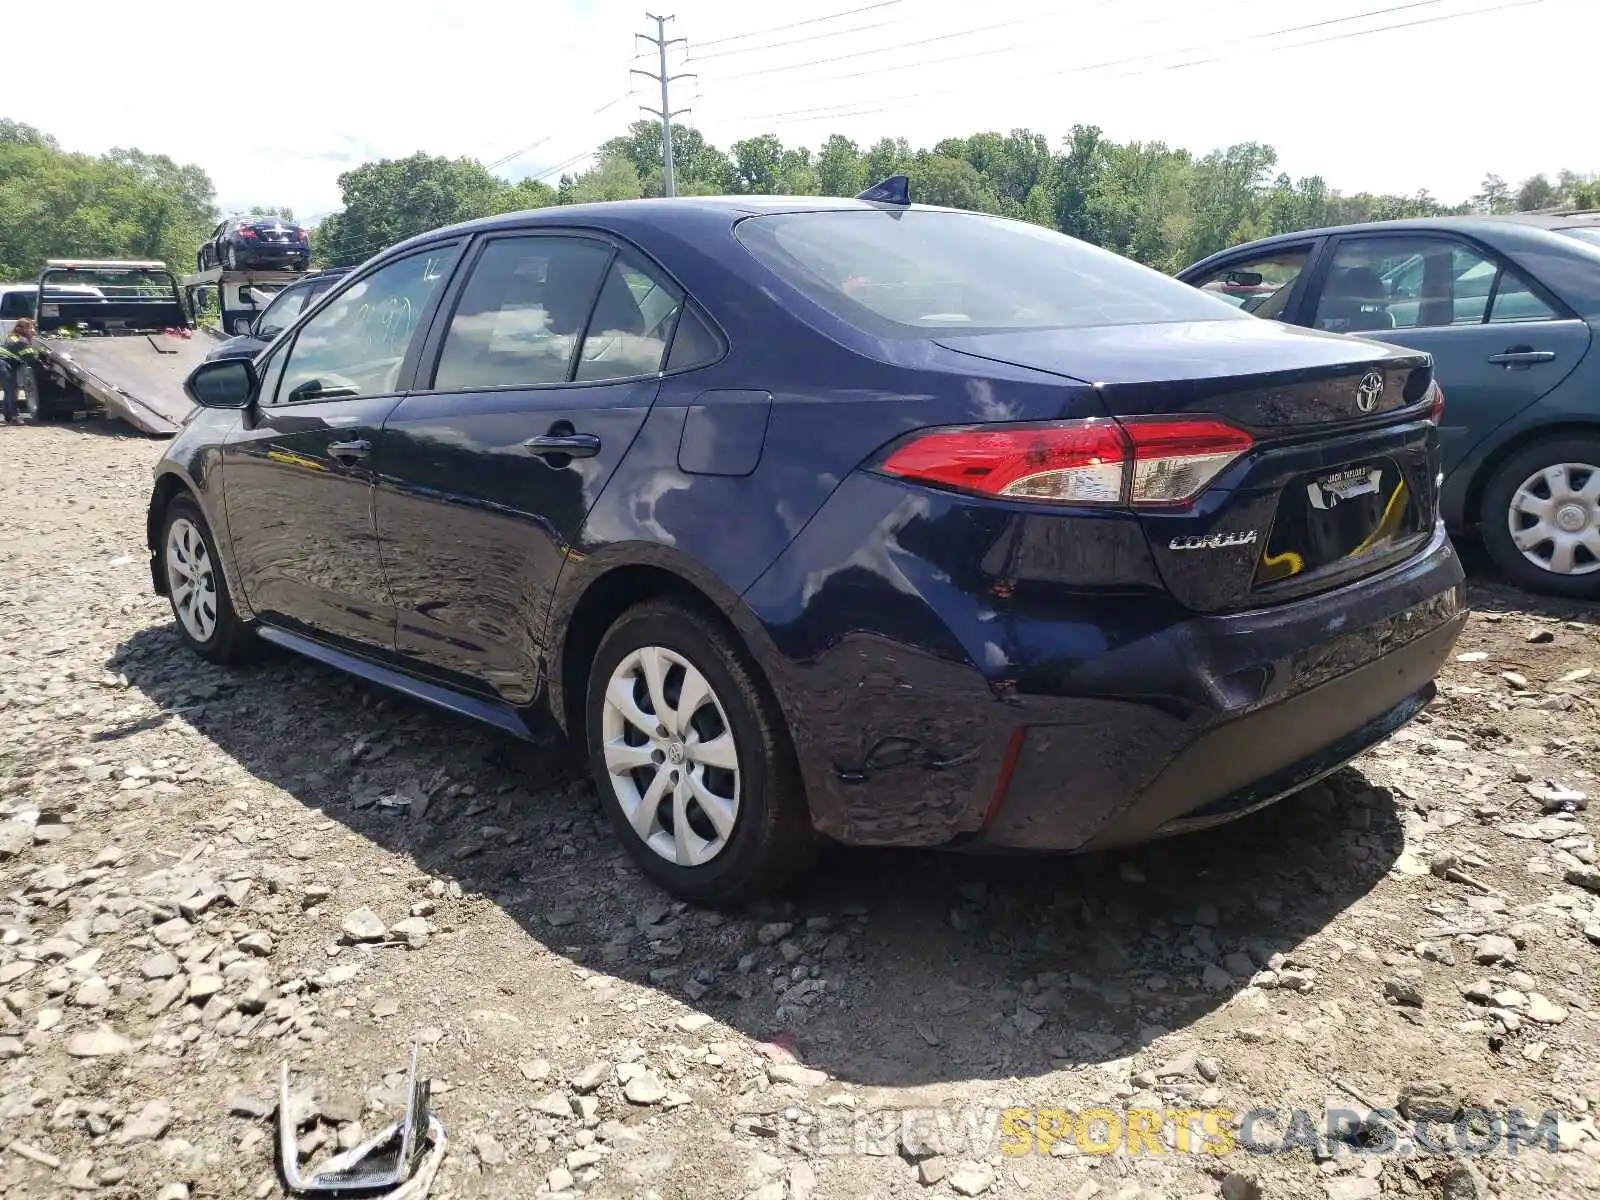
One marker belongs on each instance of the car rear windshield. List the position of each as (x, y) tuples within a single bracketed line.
[(908, 272)]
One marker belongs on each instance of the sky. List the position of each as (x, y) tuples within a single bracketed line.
[(276, 100)]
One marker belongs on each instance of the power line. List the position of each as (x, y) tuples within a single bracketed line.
[(516, 154), (784, 45), (927, 41), (1363, 32), (924, 63), (884, 102), (739, 37)]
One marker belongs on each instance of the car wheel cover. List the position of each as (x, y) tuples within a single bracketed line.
[(1554, 518), (670, 756), (191, 581)]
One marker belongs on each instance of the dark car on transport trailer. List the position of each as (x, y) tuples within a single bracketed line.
[(242, 242), (1508, 307), (829, 518)]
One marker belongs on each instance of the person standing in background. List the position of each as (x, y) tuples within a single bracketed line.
[(16, 352)]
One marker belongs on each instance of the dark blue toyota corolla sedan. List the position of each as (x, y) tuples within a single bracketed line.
[(827, 518)]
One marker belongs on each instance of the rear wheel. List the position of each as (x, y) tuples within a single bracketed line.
[(692, 760), (39, 406), (1541, 517), (233, 259), (197, 588)]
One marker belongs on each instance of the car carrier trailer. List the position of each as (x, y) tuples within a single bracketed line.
[(241, 293), (126, 350)]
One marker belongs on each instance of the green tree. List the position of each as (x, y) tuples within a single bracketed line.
[(758, 164), (614, 177), (951, 183), (386, 202), (1494, 196), (840, 169)]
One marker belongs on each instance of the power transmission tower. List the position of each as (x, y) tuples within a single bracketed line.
[(669, 186)]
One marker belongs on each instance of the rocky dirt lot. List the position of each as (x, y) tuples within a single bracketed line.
[(205, 873)]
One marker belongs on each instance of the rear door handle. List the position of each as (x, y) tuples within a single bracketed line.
[(1519, 357), (567, 445), (349, 452)]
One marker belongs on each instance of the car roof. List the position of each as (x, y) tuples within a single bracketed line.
[(1570, 218), (686, 214)]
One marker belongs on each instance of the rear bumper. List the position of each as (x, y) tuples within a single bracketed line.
[(257, 255), (1301, 690), (960, 674)]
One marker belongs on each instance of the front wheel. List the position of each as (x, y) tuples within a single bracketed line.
[(692, 760), (1541, 517), (197, 588)]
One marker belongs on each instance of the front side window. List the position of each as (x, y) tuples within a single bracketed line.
[(1260, 286), (280, 314), (914, 273), (356, 344), (521, 314)]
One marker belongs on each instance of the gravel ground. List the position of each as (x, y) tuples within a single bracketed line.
[(205, 873)]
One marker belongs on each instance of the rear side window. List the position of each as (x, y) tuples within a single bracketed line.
[(522, 313), (1514, 300), (632, 320), (694, 344), (913, 272), (16, 305)]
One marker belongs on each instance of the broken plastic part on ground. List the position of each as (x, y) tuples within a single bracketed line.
[(398, 1163)]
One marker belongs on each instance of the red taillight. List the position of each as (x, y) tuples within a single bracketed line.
[(247, 233), (1173, 461), (1138, 462), (1073, 462), (300, 234), (1436, 409)]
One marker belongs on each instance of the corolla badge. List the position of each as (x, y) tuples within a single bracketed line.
[(1213, 541), (1369, 391)]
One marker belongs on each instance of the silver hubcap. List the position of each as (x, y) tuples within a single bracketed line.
[(670, 755), (1555, 518), (190, 581)]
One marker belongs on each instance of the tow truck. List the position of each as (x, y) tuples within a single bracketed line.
[(126, 349), (120, 335)]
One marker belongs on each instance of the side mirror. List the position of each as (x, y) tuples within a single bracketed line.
[(241, 326), (222, 383), (266, 333)]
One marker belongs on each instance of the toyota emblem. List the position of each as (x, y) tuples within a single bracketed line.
[(1370, 391)]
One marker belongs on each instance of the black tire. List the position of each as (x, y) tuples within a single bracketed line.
[(772, 839), (33, 402), (1495, 513), (230, 640), (43, 401)]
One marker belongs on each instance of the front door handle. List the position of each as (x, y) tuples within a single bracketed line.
[(563, 445), (349, 452), (1522, 356)]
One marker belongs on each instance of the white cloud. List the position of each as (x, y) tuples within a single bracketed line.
[(276, 100)]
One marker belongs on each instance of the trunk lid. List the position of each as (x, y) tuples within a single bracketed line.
[(1340, 480)]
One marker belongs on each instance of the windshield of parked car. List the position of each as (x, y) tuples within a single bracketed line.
[(909, 272)]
